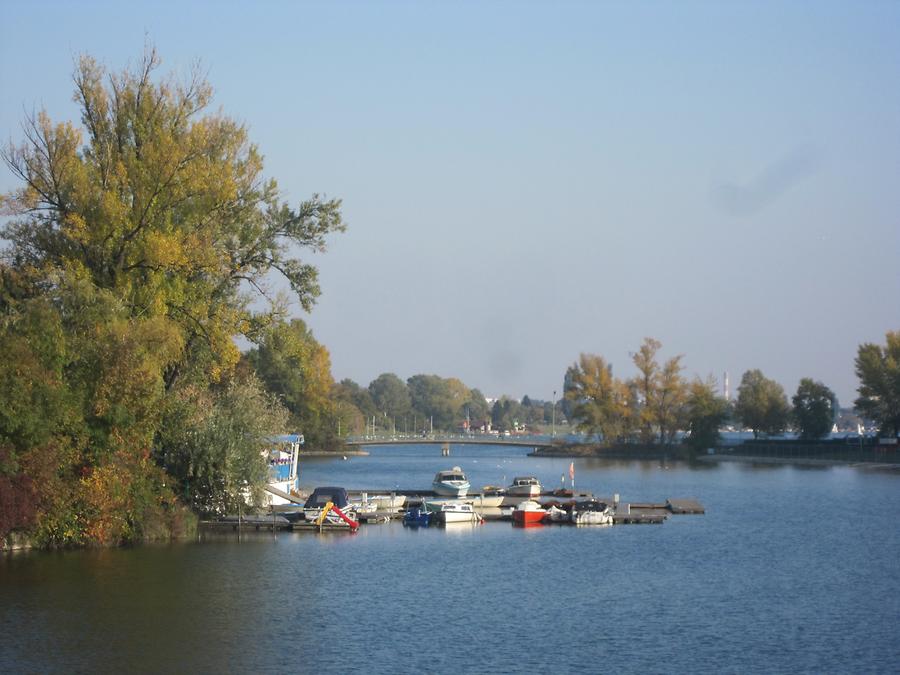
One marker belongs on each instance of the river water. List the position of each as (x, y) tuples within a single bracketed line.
[(790, 570)]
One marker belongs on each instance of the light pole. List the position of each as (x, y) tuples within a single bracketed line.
[(553, 416)]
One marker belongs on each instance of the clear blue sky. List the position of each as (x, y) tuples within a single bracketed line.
[(527, 181)]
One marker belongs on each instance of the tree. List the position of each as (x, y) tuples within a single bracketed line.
[(878, 370), (477, 406), (390, 396), (814, 409), (706, 413), (139, 243), (164, 207), (645, 386), (761, 404), (433, 399), (213, 444), (353, 406), (669, 400), (295, 367), (599, 400)]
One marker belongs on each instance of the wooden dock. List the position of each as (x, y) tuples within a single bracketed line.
[(625, 513)]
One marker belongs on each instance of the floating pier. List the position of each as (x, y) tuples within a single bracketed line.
[(624, 513)]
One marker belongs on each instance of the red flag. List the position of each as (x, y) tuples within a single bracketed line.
[(572, 471)]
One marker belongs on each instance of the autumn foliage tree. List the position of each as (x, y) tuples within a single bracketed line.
[(599, 400), (139, 244)]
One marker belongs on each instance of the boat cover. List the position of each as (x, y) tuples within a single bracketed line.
[(322, 495)]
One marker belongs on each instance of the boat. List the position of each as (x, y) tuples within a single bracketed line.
[(451, 483), (333, 503), (454, 512), (525, 486), (555, 514), (387, 502), (486, 500), (417, 517), (282, 454), (528, 512), (592, 512)]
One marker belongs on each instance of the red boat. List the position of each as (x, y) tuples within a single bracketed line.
[(528, 512)]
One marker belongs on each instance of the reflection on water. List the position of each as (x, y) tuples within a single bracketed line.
[(789, 571)]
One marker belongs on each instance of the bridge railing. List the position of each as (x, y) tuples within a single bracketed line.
[(452, 438)]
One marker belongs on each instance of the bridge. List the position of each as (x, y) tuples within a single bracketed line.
[(454, 439)]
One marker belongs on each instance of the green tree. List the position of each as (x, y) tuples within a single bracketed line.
[(706, 413), (599, 400), (878, 370), (353, 406), (390, 396), (814, 408), (213, 444), (761, 404), (295, 367), (477, 406), (433, 399)]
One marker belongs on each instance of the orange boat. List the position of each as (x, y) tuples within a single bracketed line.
[(528, 512)]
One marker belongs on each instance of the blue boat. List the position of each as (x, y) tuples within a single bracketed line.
[(417, 517)]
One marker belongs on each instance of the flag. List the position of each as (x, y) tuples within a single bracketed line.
[(572, 471)]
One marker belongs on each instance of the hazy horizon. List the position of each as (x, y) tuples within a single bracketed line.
[(526, 182)]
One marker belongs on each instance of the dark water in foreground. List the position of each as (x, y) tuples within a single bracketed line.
[(790, 570)]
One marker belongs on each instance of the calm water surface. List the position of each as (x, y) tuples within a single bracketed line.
[(790, 570)]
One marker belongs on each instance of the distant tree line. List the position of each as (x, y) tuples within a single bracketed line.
[(658, 402), (425, 402)]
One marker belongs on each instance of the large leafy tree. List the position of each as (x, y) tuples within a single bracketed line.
[(390, 396), (297, 368), (878, 370), (599, 401), (706, 412), (814, 408), (761, 404), (434, 399), (163, 205), (139, 241)]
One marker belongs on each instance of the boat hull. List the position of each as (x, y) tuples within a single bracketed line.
[(523, 517), (446, 490), (592, 518), (446, 517)]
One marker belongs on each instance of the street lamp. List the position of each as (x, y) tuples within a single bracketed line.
[(553, 416)]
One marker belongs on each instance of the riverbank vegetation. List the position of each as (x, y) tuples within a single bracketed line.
[(139, 246), (659, 406)]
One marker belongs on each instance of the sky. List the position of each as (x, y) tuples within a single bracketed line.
[(524, 182)]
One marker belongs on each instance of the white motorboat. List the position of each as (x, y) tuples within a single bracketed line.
[(387, 502), (486, 501), (557, 515), (592, 513), (452, 483), (525, 486), (453, 512)]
